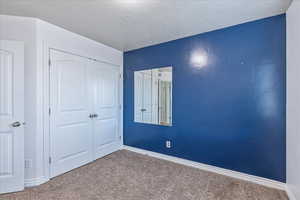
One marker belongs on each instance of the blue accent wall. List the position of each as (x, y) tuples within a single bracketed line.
[(229, 113)]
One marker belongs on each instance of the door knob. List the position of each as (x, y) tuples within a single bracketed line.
[(95, 115), (16, 124)]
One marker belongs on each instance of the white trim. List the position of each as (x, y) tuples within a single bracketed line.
[(218, 170), (289, 192), (35, 181)]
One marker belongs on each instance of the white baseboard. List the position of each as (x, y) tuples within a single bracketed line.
[(234, 174), (35, 181), (290, 193), (238, 175)]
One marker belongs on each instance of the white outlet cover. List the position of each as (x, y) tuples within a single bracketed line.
[(168, 144), (28, 163)]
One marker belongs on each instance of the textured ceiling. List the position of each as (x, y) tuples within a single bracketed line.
[(132, 24)]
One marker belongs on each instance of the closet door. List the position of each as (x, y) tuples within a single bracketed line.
[(106, 108), (70, 103)]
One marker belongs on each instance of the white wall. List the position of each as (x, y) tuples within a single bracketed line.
[(293, 99), (37, 36)]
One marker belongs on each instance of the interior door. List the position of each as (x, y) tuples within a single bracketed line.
[(11, 116), (70, 122), (155, 97), (105, 83), (147, 98), (138, 96)]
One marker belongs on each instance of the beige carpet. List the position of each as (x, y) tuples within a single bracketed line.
[(126, 175)]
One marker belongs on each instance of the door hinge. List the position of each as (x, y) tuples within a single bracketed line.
[(120, 107), (120, 137), (50, 160), (49, 111), (49, 63), (120, 76)]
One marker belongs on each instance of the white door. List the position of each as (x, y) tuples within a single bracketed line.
[(147, 98), (70, 124), (138, 96), (155, 96), (11, 116), (105, 83)]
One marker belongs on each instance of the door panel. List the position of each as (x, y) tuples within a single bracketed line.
[(11, 110), (155, 96), (108, 130), (147, 97), (138, 96), (105, 81), (72, 85), (71, 128)]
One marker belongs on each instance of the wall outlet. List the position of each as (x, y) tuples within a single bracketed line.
[(28, 163), (168, 144)]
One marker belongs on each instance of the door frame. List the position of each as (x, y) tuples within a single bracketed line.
[(44, 95)]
